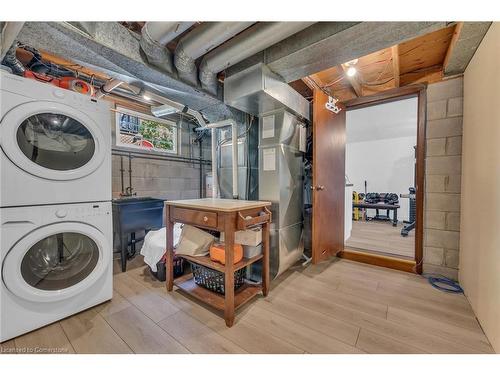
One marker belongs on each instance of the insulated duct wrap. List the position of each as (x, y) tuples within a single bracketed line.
[(200, 41), (155, 36), (249, 42)]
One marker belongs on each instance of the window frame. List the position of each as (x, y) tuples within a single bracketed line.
[(119, 110)]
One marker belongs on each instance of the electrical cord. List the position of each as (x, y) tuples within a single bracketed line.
[(443, 283)]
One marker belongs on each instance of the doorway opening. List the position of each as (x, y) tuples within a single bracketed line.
[(380, 169), (334, 180), (403, 111)]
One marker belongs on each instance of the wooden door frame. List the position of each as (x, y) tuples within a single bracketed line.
[(419, 91)]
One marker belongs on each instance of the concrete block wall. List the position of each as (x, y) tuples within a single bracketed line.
[(158, 178), (442, 177), (164, 179)]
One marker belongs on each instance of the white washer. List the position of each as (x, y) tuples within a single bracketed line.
[(55, 144), (56, 260)]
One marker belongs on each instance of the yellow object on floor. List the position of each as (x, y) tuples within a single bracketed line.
[(356, 214)]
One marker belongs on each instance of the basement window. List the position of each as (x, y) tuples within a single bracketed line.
[(146, 133)]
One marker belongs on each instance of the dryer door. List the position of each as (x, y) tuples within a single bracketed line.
[(56, 262), (52, 140)]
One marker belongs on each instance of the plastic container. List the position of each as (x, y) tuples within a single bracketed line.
[(214, 280), (252, 251), (218, 253), (161, 274)]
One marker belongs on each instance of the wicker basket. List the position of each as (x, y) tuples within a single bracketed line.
[(214, 280)]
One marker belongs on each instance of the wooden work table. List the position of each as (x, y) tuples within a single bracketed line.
[(228, 216)]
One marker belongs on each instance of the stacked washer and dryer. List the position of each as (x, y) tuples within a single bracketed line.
[(55, 204)]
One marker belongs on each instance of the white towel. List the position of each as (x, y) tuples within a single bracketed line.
[(155, 243)]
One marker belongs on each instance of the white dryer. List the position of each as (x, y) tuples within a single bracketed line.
[(56, 260), (55, 144)]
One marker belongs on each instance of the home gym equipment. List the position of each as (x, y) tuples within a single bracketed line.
[(410, 224), (379, 201)]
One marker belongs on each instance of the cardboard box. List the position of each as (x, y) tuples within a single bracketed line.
[(249, 237)]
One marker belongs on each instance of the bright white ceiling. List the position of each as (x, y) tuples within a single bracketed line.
[(384, 121)]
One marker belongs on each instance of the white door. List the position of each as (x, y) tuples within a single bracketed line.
[(52, 140), (56, 262)]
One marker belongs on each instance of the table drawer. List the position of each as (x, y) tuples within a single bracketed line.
[(194, 217)]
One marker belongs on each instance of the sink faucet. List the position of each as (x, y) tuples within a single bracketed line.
[(128, 192)]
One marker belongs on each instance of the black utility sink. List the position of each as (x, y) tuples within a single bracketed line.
[(132, 215)]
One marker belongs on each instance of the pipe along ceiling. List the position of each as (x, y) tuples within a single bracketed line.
[(222, 44)]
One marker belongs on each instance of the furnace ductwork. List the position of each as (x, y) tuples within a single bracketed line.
[(246, 44), (200, 41), (155, 36)]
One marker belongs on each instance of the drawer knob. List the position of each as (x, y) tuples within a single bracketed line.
[(205, 219)]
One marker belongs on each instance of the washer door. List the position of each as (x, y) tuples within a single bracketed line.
[(52, 140), (56, 262)]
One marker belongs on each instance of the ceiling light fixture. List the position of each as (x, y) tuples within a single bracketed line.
[(163, 110), (351, 71), (145, 97)]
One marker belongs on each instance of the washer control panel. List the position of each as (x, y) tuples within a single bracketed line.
[(81, 210)]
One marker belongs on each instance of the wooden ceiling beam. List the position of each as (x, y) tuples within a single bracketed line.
[(453, 42), (395, 64), (356, 86), (427, 75), (315, 83), (302, 88), (308, 83)]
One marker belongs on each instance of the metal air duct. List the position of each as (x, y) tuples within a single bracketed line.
[(282, 136), (109, 86), (258, 90), (234, 136), (281, 172), (200, 41), (246, 44), (154, 37)]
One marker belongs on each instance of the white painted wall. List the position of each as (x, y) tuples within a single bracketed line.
[(379, 149), (479, 269)]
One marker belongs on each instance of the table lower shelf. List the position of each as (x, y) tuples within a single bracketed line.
[(207, 262), (241, 295)]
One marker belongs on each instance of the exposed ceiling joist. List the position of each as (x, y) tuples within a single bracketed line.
[(471, 35), (395, 65), (327, 44), (313, 82), (453, 43), (302, 88), (308, 83), (414, 61), (429, 75)]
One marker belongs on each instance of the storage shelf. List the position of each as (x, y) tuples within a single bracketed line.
[(207, 262), (241, 295)]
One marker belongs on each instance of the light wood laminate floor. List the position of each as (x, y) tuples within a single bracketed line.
[(337, 307), (382, 238)]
